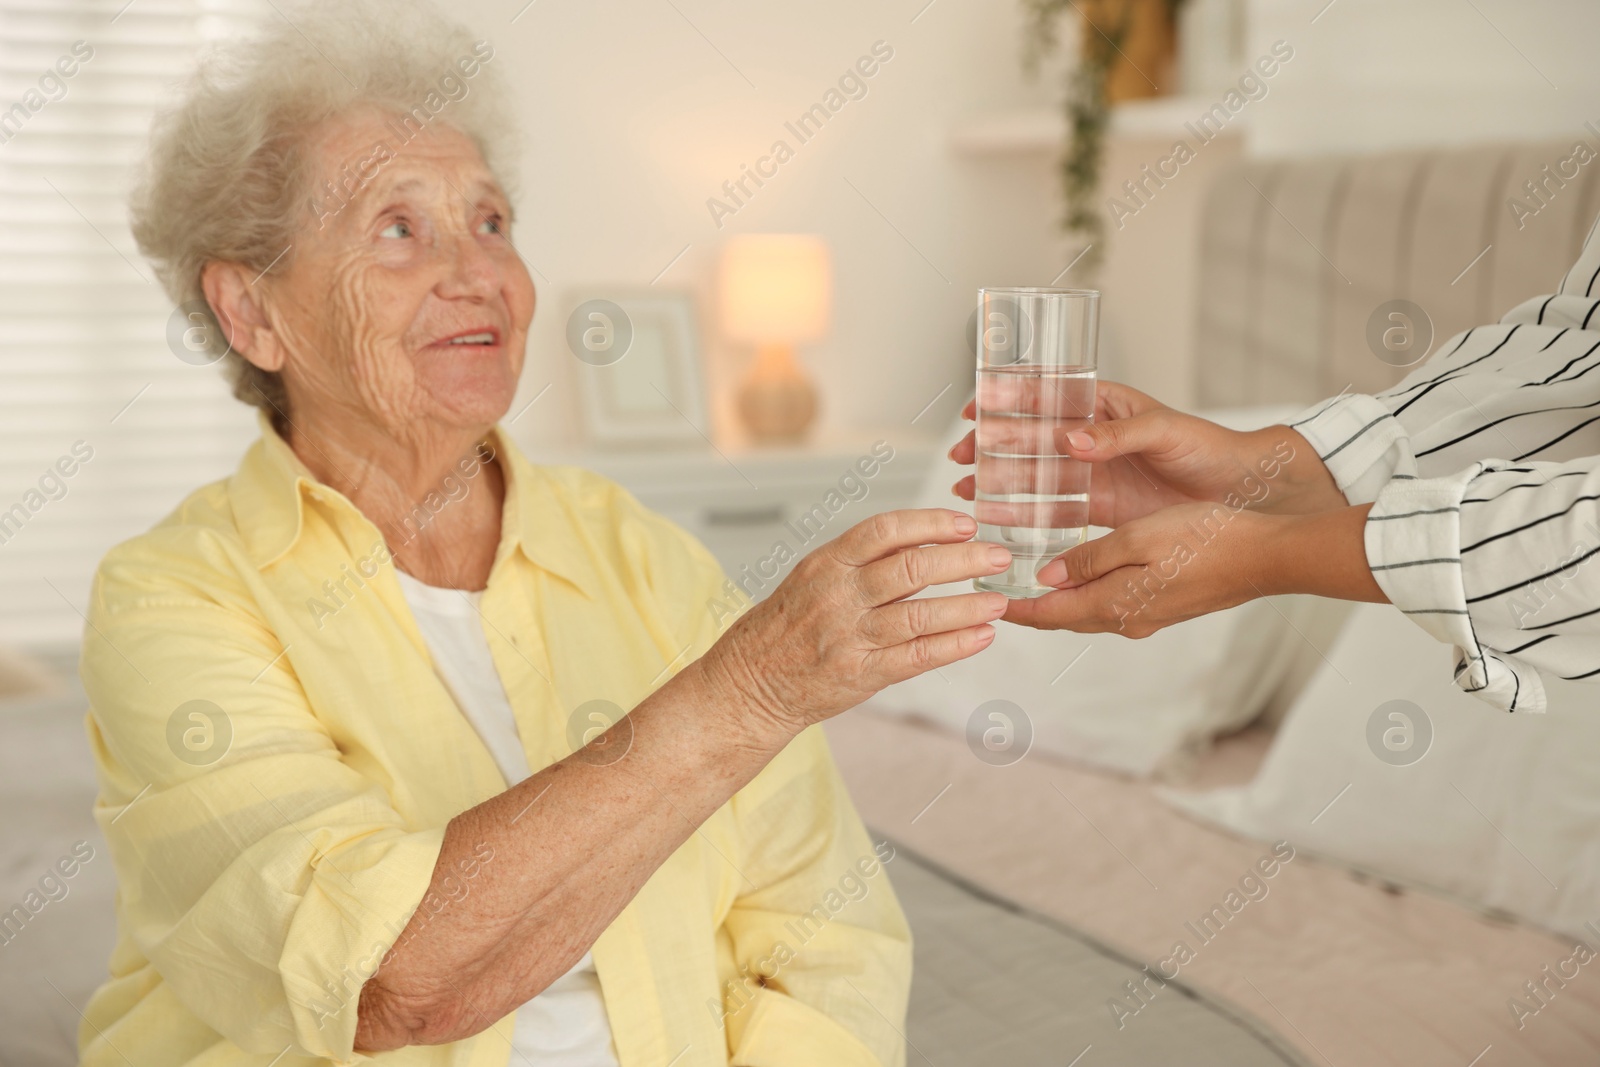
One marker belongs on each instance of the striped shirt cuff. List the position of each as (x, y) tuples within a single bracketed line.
[(1413, 543), (1363, 445)]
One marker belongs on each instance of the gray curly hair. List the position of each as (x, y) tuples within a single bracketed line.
[(227, 176)]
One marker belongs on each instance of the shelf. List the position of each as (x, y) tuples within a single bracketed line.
[(1042, 129)]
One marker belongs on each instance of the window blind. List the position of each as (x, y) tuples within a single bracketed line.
[(88, 382)]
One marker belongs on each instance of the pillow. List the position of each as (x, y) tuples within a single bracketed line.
[(24, 675), (1139, 707), (68, 926), (1501, 811)]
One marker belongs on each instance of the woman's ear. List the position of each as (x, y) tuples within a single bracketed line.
[(237, 302)]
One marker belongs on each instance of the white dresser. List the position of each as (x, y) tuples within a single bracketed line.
[(741, 502)]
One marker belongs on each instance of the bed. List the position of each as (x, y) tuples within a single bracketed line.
[(1036, 893), (1338, 968), (996, 982)]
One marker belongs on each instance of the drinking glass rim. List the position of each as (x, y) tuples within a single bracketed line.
[(1038, 290)]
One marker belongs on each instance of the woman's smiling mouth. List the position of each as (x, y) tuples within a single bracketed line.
[(483, 338)]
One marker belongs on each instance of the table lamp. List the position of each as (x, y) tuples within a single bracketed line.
[(775, 293)]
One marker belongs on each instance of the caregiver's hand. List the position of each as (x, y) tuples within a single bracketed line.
[(1193, 559), (1149, 456), (839, 627)]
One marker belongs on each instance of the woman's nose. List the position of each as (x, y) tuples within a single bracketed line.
[(470, 270)]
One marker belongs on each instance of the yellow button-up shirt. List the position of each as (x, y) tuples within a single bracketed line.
[(278, 759)]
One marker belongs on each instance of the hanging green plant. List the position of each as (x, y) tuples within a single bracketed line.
[(1086, 103)]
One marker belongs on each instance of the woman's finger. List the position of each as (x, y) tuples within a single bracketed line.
[(1032, 515), (965, 450), (1092, 559), (965, 488), (906, 620), (1035, 476), (1081, 610), (1007, 434), (896, 663), (1114, 403), (914, 569), (1154, 431), (1113, 400), (890, 531)]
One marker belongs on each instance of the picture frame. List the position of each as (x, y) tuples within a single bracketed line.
[(640, 375)]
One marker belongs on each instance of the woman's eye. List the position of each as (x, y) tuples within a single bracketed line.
[(396, 229), (492, 224)]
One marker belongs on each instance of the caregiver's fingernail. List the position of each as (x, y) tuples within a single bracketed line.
[(1080, 441), (999, 556), (1052, 573), (965, 523)]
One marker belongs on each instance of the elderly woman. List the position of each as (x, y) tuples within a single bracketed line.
[(357, 709)]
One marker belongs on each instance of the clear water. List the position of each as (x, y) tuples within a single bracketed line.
[(1030, 496)]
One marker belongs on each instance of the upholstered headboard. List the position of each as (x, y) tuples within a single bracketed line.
[(1296, 256)]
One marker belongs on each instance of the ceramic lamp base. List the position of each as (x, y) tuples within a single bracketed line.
[(777, 401)]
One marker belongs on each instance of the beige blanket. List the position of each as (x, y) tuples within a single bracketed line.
[(1349, 972), (994, 984)]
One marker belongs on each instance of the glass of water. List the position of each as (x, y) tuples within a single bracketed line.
[(1037, 351)]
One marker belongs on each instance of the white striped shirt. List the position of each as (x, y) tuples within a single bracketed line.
[(1482, 470)]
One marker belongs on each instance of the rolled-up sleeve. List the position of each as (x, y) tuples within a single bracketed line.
[(1362, 443), (1503, 562), (821, 949), (261, 875), (1523, 388), (1480, 468)]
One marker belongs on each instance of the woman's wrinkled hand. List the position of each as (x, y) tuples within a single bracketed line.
[(1148, 456), (841, 626)]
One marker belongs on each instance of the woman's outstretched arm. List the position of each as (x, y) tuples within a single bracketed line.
[(574, 842)]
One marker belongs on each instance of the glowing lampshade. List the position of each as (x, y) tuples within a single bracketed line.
[(776, 287), (776, 291)]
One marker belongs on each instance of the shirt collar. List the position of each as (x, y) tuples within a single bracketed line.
[(540, 518), (543, 520)]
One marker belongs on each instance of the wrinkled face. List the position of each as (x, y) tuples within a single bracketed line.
[(405, 305)]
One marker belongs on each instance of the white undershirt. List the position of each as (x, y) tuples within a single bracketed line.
[(566, 1025)]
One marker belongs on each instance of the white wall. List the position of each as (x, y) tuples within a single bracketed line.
[(635, 120), (1377, 74), (1367, 76)]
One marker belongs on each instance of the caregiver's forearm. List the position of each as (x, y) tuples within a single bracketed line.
[(1301, 483), (572, 845), (1323, 554)]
